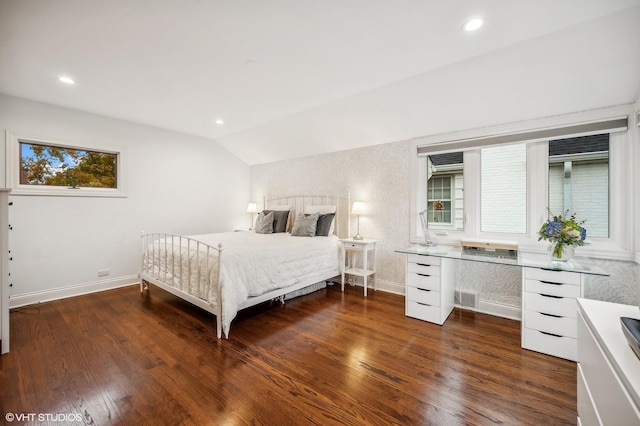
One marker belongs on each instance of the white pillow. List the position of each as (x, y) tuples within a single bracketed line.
[(322, 210), (281, 207), (319, 209)]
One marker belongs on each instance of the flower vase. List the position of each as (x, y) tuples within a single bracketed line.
[(561, 252)]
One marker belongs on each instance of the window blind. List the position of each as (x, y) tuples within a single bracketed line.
[(611, 125)]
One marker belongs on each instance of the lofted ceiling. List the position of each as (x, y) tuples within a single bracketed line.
[(300, 77)]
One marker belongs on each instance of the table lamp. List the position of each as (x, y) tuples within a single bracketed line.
[(358, 209), (253, 209)]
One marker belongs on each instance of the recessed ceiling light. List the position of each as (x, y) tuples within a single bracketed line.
[(219, 122), (67, 80), (473, 24)]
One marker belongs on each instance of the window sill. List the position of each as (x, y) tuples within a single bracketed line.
[(69, 192)]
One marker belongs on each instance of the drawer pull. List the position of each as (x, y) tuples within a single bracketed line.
[(423, 304), (551, 296), (423, 275), (422, 264), (551, 282), (422, 289), (550, 315), (550, 334)]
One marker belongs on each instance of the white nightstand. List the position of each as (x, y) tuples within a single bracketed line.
[(358, 246)]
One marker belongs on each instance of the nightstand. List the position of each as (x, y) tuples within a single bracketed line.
[(363, 247)]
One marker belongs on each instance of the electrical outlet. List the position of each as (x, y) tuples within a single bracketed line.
[(103, 272)]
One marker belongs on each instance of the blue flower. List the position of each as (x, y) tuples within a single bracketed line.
[(552, 228), (563, 230)]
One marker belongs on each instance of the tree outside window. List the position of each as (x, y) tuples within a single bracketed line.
[(61, 166)]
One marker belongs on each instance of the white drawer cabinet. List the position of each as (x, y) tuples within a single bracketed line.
[(549, 311), (608, 372), (429, 288)]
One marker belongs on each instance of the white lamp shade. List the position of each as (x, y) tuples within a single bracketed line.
[(252, 208), (358, 208)]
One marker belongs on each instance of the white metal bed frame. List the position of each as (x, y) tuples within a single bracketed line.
[(171, 241)]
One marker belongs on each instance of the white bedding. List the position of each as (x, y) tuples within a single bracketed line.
[(251, 265)]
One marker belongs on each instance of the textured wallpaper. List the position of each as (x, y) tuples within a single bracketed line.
[(380, 176)]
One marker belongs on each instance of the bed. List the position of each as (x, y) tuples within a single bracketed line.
[(223, 273)]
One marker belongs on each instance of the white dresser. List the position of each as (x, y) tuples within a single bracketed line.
[(549, 311), (608, 370), (4, 270), (429, 288)]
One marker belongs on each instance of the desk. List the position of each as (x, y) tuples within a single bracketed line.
[(549, 292)]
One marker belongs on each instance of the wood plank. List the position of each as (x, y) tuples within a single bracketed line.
[(118, 357)]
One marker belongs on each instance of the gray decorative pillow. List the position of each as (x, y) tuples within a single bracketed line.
[(280, 218), (264, 223), (305, 226), (324, 224)]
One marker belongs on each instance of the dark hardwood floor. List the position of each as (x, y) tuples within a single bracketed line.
[(118, 357)]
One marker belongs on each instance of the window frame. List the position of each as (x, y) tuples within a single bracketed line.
[(12, 164), (617, 246)]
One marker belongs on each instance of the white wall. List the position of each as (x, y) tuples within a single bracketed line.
[(175, 183), (377, 175)]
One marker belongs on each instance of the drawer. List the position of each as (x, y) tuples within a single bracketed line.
[(555, 305), (552, 276), (357, 247), (560, 346), (424, 312), (419, 295), (423, 269), (564, 326), (424, 260), (553, 289), (587, 412), (427, 282)]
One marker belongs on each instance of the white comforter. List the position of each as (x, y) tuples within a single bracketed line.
[(251, 264)]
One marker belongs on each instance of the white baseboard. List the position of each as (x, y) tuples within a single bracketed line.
[(496, 309), (381, 285), (70, 291)]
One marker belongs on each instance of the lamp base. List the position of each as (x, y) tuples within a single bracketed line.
[(357, 237)]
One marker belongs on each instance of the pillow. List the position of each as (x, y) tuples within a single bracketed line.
[(325, 224), (305, 226), (319, 209), (280, 218), (264, 223), (323, 209)]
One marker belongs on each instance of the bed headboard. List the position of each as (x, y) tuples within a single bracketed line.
[(342, 226)]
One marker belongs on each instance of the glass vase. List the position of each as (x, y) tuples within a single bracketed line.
[(561, 252)]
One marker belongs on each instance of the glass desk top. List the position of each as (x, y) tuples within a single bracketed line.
[(523, 259)]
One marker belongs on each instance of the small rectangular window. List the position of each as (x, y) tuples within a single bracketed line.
[(61, 166), (37, 166)]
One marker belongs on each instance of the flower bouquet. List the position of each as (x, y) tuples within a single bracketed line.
[(563, 232)]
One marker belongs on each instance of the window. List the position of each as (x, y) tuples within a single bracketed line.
[(514, 173), (579, 180), (57, 166), (43, 167), (442, 190), (503, 195), (439, 201)]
